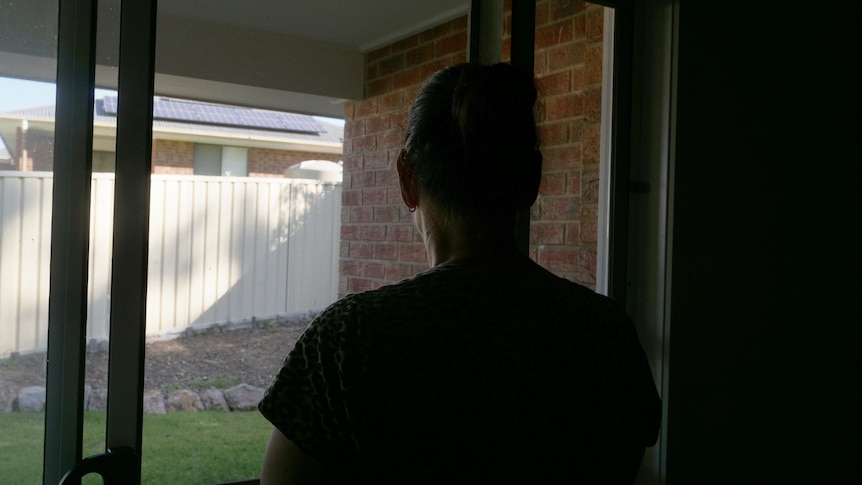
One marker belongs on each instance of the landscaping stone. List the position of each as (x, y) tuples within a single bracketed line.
[(31, 399), (8, 394), (154, 402), (98, 400), (183, 400), (243, 397), (214, 399)]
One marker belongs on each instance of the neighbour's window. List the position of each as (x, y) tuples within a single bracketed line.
[(220, 160)]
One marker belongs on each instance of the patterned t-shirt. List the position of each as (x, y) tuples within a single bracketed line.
[(468, 373)]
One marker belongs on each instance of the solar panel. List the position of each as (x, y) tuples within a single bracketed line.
[(214, 114)]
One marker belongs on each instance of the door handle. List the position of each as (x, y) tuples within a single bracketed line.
[(113, 466)]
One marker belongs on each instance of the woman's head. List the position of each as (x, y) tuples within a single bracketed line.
[(472, 143)]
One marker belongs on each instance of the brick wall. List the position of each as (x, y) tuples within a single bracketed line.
[(177, 157), (568, 67), (268, 162), (378, 243), (173, 157)]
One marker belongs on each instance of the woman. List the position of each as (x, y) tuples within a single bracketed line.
[(486, 367)]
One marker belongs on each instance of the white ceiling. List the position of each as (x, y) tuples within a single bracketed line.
[(355, 24)]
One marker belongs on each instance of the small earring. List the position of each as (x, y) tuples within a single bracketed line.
[(411, 209)]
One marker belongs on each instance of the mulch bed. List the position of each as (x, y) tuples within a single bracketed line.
[(214, 358)]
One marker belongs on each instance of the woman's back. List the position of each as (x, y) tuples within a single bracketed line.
[(473, 370)]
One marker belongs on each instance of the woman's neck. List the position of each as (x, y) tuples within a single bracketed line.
[(458, 241)]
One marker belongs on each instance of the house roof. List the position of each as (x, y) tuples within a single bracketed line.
[(226, 125)]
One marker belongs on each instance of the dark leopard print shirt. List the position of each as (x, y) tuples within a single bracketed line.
[(465, 374)]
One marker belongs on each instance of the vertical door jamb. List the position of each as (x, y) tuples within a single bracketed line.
[(131, 228), (70, 234)]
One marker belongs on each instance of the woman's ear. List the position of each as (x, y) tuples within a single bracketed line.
[(407, 181)]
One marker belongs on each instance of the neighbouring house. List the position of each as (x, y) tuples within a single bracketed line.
[(189, 137)]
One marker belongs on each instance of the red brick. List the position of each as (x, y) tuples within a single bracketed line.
[(377, 123), (557, 258), (580, 22), (397, 271), (435, 33), (546, 233), (378, 87), (418, 55), (556, 83), (400, 232), (373, 233), (542, 14), (458, 58), (506, 50), (406, 78), (390, 102), (352, 162), (375, 160), (553, 184), (386, 250), (405, 44), (591, 143), (451, 44), (460, 23), (348, 110), (590, 186), (360, 179), (565, 106), (351, 197), (392, 64), (374, 196), (565, 157), (385, 214), (364, 143), (429, 68), (358, 285), (350, 232), (593, 64), (573, 233), (560, 208), (365, 108), (587, 266), (593, 105), (390, 139), (386, 177), (361, 250), (589, 224), (348, 267), (352, 129), (562, 8), (573, 183), (361, 214), (595, 24), (554, 34), (371, 269), (565, 56), (553, 133)]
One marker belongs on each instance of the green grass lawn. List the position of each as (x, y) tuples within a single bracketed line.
[(179, 448)]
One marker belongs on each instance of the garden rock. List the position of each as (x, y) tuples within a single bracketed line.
[(214, 399), (98, 400), (154, 402), (7, 397), (243, 397), (31, 399), (183, 400)]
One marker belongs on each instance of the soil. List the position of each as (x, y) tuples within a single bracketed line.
[(216, 358)]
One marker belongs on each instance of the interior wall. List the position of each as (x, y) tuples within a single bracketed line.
[(764, 325)]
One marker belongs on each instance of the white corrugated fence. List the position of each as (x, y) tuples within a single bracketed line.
[(222, 249)]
